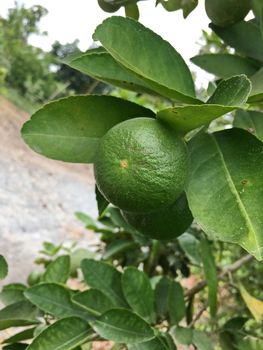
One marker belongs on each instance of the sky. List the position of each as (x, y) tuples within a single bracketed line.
[(69, 20)]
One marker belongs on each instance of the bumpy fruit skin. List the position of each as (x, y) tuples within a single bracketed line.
[(141, 165), (225, 13), (164, 224)]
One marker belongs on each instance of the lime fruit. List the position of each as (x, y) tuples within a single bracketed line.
[(225, 13), (164, 224), (141, 165)]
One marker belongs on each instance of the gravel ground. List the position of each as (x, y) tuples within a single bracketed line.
[(38, 197)]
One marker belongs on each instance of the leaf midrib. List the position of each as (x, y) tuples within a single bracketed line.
[(234, 191)]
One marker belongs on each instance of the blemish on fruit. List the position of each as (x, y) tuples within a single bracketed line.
[(124, 163)]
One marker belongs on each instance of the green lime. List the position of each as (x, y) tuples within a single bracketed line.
[(164, 224), (141, 165), (225, 13)]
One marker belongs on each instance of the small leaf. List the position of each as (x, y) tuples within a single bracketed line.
[(224, 65), (102, 202), (225, 192), (124, 39), (11, 294), (117, 247), (210, 274), (55, 300), (106, 278), (132, 11), (58, 270), (161, 297), (243, 36), (85, 119), (157, 343), (190, 246), (77, 256), (123, 326), (176, 304), (202, 341), (18, 314), (254, 305), (232, 92), (251, 121), (65, 334), (256, 94), (182, 335), (3, 268), (24, 335), (94, 301), (138, 293)]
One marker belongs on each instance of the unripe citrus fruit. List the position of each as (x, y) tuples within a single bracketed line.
[(227, 12), (141, 165), (164, 224)]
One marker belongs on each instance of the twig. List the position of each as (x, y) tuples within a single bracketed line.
[(230, 268), (198, 315)]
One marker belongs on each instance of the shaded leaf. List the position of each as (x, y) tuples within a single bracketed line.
[(70, 129), (254, 305), (190, 246), (132, 11), (24, 335), (55, 300), (102, 202), (65, 334), (224, 65), (138, 293), (202, 341), (94, 301), (257, 87), (210, 274), (3, 268), (251, 121), (182, 335), (18, 314), (225, 192), (123, 326), (157, 343), (124, 39), (77, 256), (176, 303), (58, 270), (106, 278), (117, 247)]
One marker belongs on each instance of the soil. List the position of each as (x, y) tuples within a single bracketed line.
[(38, 197)]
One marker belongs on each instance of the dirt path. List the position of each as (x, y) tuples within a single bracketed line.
[(38, 196)]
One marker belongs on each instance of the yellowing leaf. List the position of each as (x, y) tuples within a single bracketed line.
[(254, 305)]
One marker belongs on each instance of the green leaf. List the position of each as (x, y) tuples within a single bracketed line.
[(182, 335), (18, 314), (65, 334), (124, 39), (243, 36), (102, 202), (123, 326), (232, 92), (190, 246), (224, 65), (58, 270), (254, 305), (102, 66), (118, 247), (15, 346), (229, 94), (157, 343), (11, 294), (251, 121), (55, 300), (225, 191), (138, 293), (70, 129), (132, 11), (24, 335), (86, 219), (77, 256), (169, 298), (94, 301), (202, 341), (173, 5), (256, 94), (106, 278), (210, 274), (3, 268)]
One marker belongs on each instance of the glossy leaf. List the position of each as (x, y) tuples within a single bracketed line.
[(229, 94), (210, 274), (55, 300), (224, 65), (102, 202), (123, 326), (65, 334), (106, 278), (254, 305), (225, 191), (157, 343), (190, 246), (58, 270), (257, 87), (18, 337), (104, 67), (70, 129), (3, 268), (124, 39), (138, 293), (18, 314), (243, 36), (94, 301), (251, 121)]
